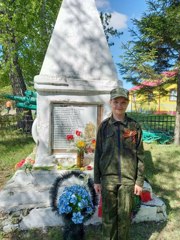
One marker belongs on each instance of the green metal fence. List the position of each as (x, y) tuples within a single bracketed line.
[(156, 128), (164, 123)]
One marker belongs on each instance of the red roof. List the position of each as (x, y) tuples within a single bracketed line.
[(155, 83), (170, 73), (146, 84)]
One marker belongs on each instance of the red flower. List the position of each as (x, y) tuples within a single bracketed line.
[(78, 133), (70, 137), (93, 141), (89, 149), (89, 167), (20, 164)]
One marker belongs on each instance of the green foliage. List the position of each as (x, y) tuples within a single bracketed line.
[(108, 30), (3, 91), (155, 45), (26, 27), (45, 168)]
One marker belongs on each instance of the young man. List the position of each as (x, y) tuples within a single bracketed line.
[(118, 167)]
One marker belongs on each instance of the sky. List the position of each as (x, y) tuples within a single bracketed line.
[(122, 12)]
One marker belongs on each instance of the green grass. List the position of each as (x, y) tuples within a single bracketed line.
[(162, 170), (12, 150)]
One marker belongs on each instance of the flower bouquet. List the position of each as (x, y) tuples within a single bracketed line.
[(82, 143), (76, 203), (25, 164)]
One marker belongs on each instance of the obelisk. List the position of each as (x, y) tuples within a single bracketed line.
[(77, 68)]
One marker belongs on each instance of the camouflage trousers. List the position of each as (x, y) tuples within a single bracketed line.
[(117, 203)]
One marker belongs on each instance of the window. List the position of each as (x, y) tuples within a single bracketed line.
[(173, 95)]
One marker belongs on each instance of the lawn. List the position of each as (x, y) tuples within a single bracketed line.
[(12, 150), (162, 170)]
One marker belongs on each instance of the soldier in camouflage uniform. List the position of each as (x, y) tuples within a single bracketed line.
[(118, 167)]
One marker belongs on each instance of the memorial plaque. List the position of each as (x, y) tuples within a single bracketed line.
[(69, 118)]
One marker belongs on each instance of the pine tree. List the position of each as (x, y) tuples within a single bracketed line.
[(155, 47)]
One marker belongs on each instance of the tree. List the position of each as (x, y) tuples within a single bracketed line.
[(108, 29), (25, 29), (155, 48)]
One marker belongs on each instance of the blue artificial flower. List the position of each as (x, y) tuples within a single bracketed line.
[(73, 199), (64, 208), (77, 218), (83, 203), (89, 210), (76, 202)]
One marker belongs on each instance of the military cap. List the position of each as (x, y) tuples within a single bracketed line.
[(119, 92)]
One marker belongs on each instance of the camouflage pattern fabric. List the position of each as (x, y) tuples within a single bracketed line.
[(118, 166), (119, 152), (117, 203)]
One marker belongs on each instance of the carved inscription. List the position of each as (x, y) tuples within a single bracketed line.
[(68, 119)]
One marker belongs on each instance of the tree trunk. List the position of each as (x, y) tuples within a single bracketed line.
[(177, 124), (16, 76), (18, 84)]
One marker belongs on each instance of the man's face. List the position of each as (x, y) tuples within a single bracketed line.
[(119, 105)]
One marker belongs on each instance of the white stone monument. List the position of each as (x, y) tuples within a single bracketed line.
[(75, 79)]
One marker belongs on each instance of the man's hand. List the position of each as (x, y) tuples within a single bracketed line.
[(137, 190), (97, 188)]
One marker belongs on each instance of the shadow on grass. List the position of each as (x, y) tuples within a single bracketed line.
[(92, 232), (13, 141), (146, 230), (162, 172), (158, 172), (35, 234), (149, 166), (139, 231), (165, 181)]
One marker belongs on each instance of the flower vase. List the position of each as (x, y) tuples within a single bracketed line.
[(80, 159)]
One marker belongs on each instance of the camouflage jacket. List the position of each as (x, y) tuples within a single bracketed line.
[(124, 158)]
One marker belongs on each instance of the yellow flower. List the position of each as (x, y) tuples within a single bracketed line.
[(80, 144)]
